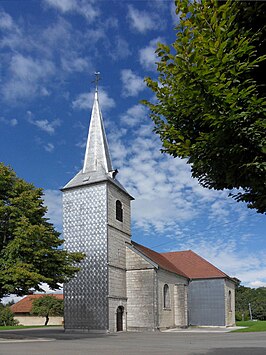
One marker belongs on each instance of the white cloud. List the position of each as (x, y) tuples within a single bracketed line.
[(27, 76), (74, 64), (169, 203), (141, 21), (53, 200), (47, 126), (49, 147), (84, 101), (119, 48), (225, 254), (57, 48), (147, 55), (134, 115), (30, 69), (132, 83), (257, 283), (13, 122), (86, 8), (6, 21), (44, 125), (62, 5)]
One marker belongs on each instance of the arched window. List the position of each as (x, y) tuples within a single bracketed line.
[(119, 211), (166, 296), (229, 301)]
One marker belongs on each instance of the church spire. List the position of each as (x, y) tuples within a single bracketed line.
[(97, 166), (97, 155)]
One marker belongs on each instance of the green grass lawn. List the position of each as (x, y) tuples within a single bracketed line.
[(14, 327), (252, 326)]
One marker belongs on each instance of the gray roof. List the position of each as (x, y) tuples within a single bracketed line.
[(97, 155), (82, 179), (97, 165)]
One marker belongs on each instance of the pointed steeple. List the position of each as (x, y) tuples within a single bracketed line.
[(97, 166), (97, 155)]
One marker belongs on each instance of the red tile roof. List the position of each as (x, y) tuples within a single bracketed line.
[(158, 259), (193, 265), (184, 263), (25, 305)]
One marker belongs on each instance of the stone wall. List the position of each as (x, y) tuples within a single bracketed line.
[(114, 303), (181, 305), (114, 194), (118, 235), (176, 312), (229, 295), (141, 293)]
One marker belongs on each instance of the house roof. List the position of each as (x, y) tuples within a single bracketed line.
[(159, 259), (25, 305), (193, 265)]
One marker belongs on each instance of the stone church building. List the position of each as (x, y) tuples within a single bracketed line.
[(123, 285)]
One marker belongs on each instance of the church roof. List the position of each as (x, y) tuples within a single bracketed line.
[(97, 155), (193, 265), (97, 166), (25, 304), (184, 263), (159, 259)]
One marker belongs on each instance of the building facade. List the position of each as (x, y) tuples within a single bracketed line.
[(123, 285)]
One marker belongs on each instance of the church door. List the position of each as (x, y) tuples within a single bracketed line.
[(119, 318)]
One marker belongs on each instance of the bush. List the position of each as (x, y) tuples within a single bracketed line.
[(242, 316), (7, 316)]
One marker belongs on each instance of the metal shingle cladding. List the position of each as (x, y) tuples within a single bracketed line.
[(85, 230), (206, 302)]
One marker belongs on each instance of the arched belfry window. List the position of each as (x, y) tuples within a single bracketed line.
[(166, 296), (119, 211)]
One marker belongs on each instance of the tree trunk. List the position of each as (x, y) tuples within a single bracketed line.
[(46, 319)]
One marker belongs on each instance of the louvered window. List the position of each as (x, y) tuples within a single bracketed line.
[(119, 211)]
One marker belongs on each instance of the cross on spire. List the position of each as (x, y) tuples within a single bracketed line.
[(96, 81)]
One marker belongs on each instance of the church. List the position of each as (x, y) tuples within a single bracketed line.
[(122, 285)]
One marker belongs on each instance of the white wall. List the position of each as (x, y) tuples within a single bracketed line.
[(32, 320)]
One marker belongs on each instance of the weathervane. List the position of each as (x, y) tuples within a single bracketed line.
[(97, 78)]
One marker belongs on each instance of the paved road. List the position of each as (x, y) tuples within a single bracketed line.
[(52, 341)]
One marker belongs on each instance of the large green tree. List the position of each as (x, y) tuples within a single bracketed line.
[(47, 306), (210, 105), (31, 250)]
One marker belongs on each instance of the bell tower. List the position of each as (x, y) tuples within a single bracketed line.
[(96, 221)]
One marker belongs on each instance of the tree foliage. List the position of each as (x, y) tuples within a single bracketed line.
[(257, 300), (30, 249), (47, 306), (210, 109)]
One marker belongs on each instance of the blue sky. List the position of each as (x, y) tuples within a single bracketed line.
[(49, 52)]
